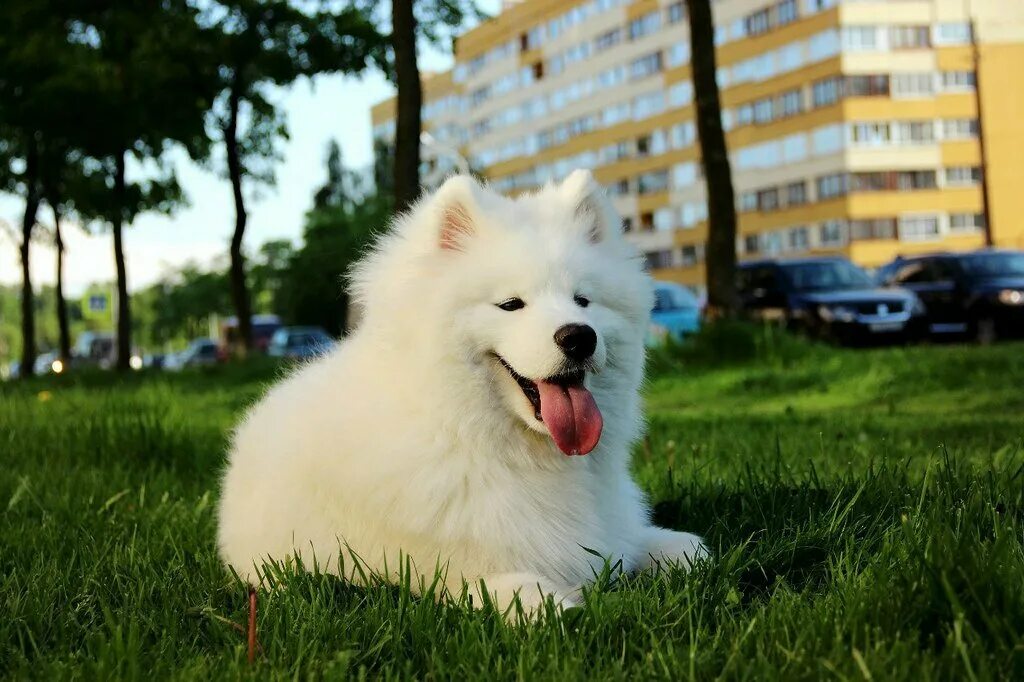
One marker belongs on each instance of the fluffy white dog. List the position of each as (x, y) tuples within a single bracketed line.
[(480, 418)]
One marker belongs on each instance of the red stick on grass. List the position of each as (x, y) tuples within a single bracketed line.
[(252, 625)]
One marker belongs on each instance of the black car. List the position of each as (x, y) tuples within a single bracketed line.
[(828, 298), (978, 294)]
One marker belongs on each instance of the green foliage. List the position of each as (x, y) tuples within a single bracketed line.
[(870, 530), (730, 342)]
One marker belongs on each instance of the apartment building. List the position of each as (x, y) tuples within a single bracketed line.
[(869, 128)]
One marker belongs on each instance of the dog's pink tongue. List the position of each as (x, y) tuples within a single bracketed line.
[(571, 416)]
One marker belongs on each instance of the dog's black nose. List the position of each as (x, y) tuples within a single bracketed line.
[(578, 341)]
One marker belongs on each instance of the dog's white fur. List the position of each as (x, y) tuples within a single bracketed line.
[(410, 439)]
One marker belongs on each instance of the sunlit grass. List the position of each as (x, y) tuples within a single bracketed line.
[(865, 508)]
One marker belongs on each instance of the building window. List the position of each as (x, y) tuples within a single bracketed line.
[(643, 146), (959, 129), (538, 70), (659, 259), (757, 23), (645, 66), (872, 228), (909, 37), (799, 239), (962, 176), (748, 201), (832, 233), (789, 104), (957, 80), (645, 25), (953, 34), (914, 132), (966, 222), (796, 193), (826, 92), (664, 219), (786, 12), (768, 199), (684, 174), (647, 221), (866, 86), (860, 38), (654, 181), (676, 12), (627, 224), (690, 255), (763, 110), (751, 244), (608, 39), (870, 134), (831, 186), (913, 85), (919, 227)]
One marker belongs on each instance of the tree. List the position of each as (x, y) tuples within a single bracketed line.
[(721, 245), (152, 82), (338, 228), (263, 43), (408, 123), (36, 63), (434, 21)]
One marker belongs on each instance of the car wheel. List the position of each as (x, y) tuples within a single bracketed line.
[(985, 331)]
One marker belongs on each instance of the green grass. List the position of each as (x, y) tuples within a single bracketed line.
[(866, 510)]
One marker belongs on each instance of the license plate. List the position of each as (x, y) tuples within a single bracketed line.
[(886, 326)]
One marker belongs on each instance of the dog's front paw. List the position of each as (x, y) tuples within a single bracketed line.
[(531, 591), (673, 547)]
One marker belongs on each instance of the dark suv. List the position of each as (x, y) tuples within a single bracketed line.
[(978, 295), (828, 298)]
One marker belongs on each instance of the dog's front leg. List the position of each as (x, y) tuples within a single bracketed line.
[(672, 547), (531, 589)]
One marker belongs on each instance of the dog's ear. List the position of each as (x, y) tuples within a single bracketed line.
[(457, 205), (591, 207)]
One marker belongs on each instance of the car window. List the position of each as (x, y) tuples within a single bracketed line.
[(993, 264), (829, 275), (758, 278), (924, 272), (280, 337)]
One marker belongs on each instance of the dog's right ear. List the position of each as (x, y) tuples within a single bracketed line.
[(457, 206)]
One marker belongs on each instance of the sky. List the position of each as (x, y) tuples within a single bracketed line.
[(329, 107)]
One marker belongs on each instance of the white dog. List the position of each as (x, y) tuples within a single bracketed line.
[(479, 420)]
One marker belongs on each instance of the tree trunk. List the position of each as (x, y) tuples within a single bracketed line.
[(410, 100), (28, 319), (124, 317), (720, 254), (239, 288), (62, 306)]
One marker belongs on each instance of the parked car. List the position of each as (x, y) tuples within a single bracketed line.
[(978, 294), (263, 329), (299, 343), (829, 298), (676, 312), (200, 353), (95, 349), (48, 362)]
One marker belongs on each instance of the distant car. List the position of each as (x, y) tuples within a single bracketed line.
[(263, 329), (676, 312), (978, 294), (94, 349), (46, 363), (11, 372), (828, 298), (299, 342), (200, 353)]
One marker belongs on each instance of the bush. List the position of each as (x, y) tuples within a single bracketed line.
[(732, 342)]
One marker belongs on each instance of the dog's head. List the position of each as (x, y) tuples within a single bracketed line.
[(539, 297)]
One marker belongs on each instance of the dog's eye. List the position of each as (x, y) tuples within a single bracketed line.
[(581, 301), (511, 304)]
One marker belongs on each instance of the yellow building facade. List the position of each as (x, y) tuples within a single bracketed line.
[(869, 128)]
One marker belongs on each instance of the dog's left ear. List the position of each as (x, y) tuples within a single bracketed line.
[(591, 207), (457, 206)]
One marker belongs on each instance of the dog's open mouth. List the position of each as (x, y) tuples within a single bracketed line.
[(566, 407)]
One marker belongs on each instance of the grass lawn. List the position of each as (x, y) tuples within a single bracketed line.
[(866, 509)]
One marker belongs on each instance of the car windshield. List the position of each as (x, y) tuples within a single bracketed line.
[(826, 276), (993, 265)]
